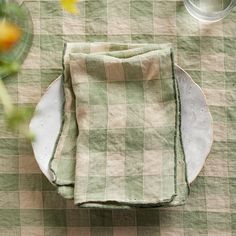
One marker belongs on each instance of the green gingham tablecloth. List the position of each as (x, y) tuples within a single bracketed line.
[(29, 204)]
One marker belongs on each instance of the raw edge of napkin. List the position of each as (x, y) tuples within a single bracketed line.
[(52, 162), (180, 199)]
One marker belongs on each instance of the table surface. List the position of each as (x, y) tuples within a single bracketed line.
[(29, 204)]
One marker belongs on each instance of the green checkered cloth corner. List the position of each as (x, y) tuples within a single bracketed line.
[(124, 101)]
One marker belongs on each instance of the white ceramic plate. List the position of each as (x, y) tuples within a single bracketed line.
[(197, 131)]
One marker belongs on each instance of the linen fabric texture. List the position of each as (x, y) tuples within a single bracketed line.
[(120, 143)]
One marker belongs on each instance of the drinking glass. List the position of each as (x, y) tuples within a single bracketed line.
[(209, 10)]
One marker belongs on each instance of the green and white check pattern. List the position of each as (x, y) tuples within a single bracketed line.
[(127, 103), (128, 148), (29, 204), (104, 170)]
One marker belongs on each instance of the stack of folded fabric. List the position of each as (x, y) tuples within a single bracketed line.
[(120, 144)]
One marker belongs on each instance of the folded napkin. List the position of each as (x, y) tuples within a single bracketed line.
[(120, 143)]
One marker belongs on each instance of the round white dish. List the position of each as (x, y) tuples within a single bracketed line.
[(196, 125)]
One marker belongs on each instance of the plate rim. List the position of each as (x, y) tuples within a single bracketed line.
[(60, 77), (211, 122)]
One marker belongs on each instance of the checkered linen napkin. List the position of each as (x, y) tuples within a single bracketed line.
[(124, 101)]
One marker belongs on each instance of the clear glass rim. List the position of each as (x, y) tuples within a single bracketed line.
[(208, 17)]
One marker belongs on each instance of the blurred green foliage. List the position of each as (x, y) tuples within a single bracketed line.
[(17, 119)]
